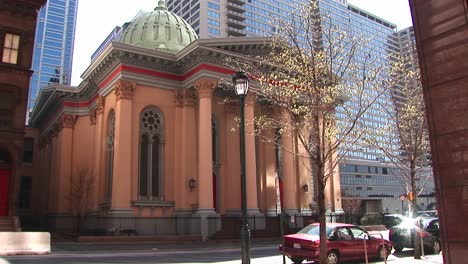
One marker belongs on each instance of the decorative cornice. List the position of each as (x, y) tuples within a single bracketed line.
[(124, 89), (205, 87), (100, 103), (185, 97)]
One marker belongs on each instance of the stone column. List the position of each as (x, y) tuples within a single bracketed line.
[(122, 174), (54, 161), (289, 171), (99, 141), (231, 183), (186, 151), (65, 174), (270, 171), (205, 88), (250, 155)]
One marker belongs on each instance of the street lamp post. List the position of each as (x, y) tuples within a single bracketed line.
[(241, 83)]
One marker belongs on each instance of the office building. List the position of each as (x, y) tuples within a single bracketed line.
[(53, 47), (367, 179)]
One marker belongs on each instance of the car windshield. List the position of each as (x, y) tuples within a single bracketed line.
[(314, 230)]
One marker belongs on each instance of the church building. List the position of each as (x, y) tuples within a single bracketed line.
[(149, 137)]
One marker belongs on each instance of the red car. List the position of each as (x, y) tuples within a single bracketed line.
[(345, 242)]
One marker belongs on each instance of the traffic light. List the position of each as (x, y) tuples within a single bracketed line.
[(410, 196)]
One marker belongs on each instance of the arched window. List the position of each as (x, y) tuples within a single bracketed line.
[(150, 158), (110, 154)]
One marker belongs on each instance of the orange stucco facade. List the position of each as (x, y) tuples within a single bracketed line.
[(128, 93)]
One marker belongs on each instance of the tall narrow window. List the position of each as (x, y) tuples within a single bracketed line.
[(110, 154), (24, 200), (7, 102), (11, 48), (28, 150), (150, 158)]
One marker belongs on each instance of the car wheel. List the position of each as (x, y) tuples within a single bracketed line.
[(297, 260), (333, 257), (436, 247), (398, 249)]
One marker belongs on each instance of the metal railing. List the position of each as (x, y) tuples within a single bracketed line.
[(226, 226)]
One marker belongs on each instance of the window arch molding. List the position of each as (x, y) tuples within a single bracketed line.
[(150, 158)]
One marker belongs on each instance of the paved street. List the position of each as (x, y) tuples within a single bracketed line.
[(225, 252)]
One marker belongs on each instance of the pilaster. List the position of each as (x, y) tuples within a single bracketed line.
[(251, 155), (232, 182), (98, 148), (205, 88), (122, 174), (64, 150), (186, 150), (289, 172)]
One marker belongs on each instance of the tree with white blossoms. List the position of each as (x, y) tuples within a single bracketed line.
[(321, 81), (408, 151)]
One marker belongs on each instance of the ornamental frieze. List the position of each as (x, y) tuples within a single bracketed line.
[(158, 64)]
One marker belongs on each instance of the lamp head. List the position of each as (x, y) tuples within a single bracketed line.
[(241, 83)]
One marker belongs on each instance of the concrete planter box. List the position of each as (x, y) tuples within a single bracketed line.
[(24, 243)]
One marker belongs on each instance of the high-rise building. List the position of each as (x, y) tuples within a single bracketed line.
[(365, 174), (53, 48)]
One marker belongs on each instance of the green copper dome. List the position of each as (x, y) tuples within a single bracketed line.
[(160, 30)]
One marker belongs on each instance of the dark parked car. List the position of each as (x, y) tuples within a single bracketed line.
[(391, 220), (402, 235), (344, 242)]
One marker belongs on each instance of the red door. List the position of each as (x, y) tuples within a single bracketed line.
[(4, 191)]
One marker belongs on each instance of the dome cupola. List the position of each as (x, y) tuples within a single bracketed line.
[(159, 30)]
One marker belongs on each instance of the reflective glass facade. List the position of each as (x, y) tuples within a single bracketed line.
[(226, 18), (53, 47)]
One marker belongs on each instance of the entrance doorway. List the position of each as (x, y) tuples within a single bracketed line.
[(4, 191)]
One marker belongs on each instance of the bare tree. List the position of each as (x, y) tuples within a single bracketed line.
[(408, 151), (81, 189), (322, 82)]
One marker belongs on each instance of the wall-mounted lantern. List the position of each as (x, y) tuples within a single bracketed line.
[(192, 184), (305, 188)]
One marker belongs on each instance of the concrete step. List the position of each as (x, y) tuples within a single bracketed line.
[(7, 224)]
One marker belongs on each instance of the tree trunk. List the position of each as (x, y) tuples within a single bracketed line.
[(417, 233), (322, 220)]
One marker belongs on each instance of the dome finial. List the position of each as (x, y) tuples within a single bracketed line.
[(161, 5)]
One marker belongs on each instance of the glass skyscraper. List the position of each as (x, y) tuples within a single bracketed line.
[(53, 47), (364, 174)]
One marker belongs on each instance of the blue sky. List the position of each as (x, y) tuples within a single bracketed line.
[(96, 19)]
